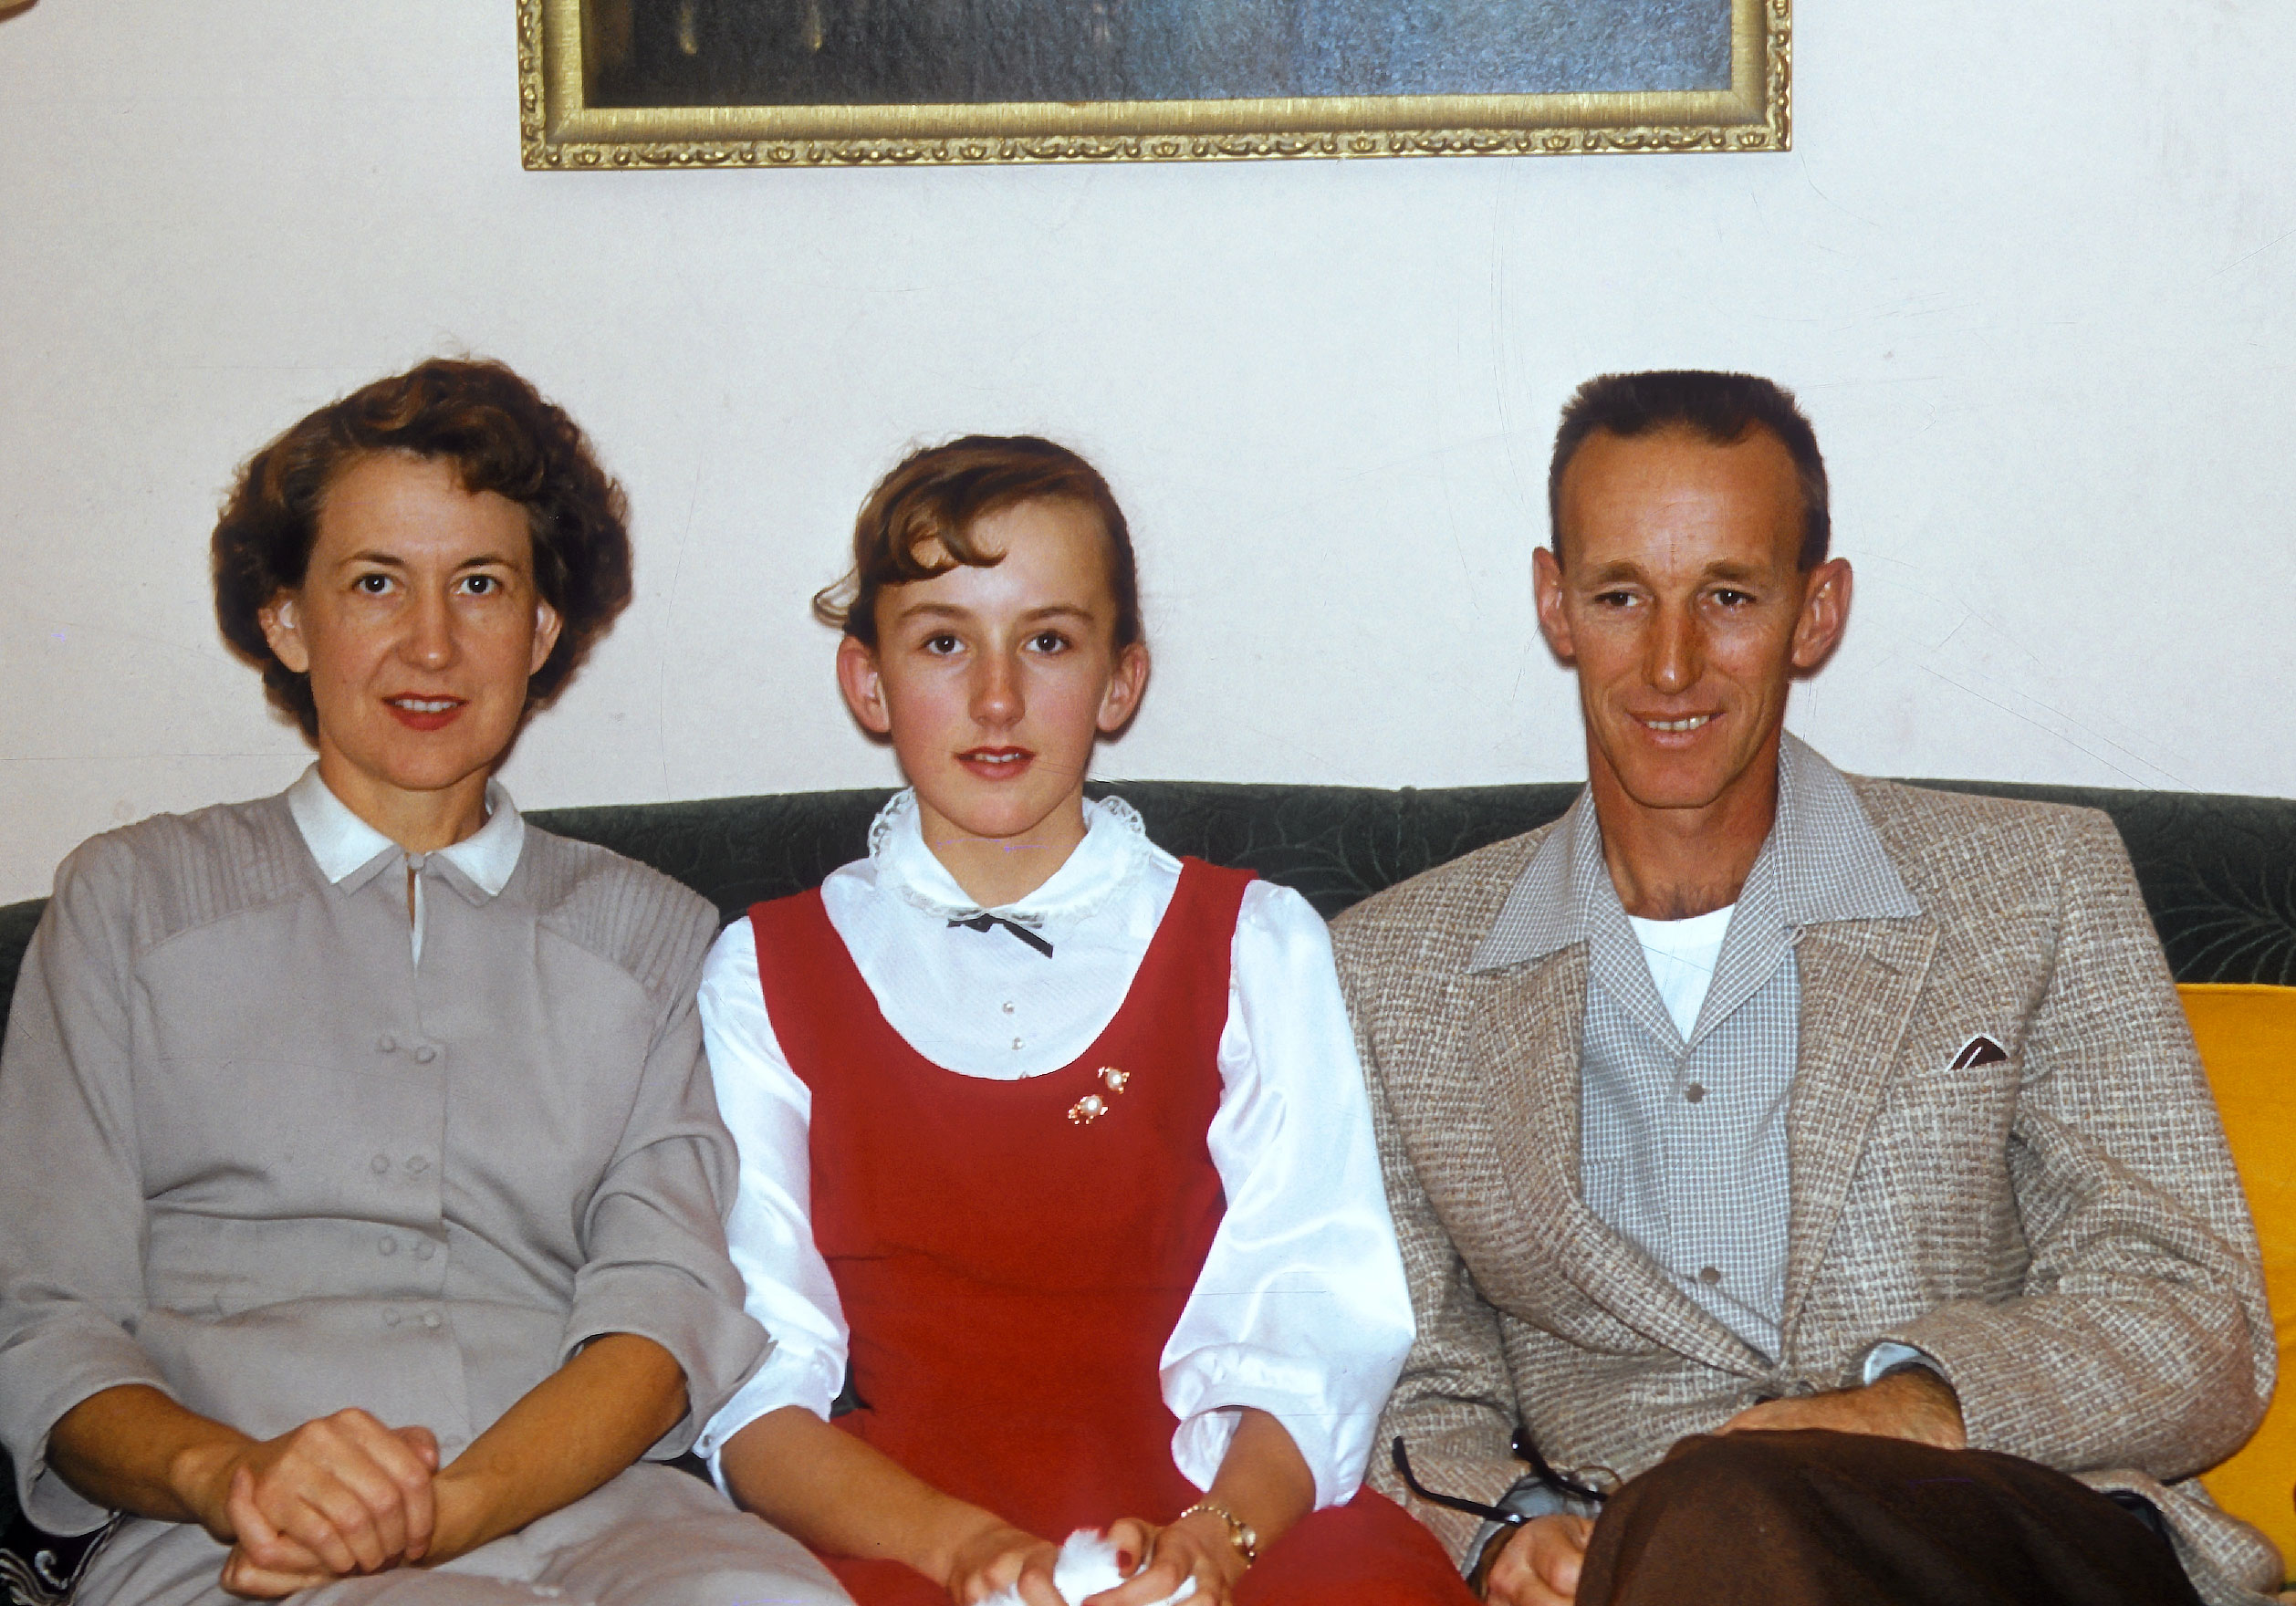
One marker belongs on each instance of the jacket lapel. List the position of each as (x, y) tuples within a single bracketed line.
[(1860, 980), (1525, 1043)]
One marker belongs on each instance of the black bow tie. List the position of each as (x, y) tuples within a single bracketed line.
[(989, 922)]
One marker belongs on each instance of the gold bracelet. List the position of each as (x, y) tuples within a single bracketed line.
[(1240, 1533)]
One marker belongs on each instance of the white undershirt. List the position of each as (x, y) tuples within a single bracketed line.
[(1681, 955), (1300, 1309)]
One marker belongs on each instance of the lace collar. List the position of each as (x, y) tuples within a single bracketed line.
[(1114, 849)]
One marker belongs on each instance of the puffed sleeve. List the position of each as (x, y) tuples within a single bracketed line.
[(1301, 1309), (786, 1283), (71, 1191), (653, 1231)]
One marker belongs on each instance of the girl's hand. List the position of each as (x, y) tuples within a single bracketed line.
[(1194, 1548), (998, 1556)]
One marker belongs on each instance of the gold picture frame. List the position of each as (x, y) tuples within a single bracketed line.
[(559, 41)]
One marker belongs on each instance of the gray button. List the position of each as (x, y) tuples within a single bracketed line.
[(1694, 1092), (424, 1248), (379, 1164), (425, 1054), (1009, 1007), (429, 1318), (1710, 1276), (417, 1164), (1017, 1045), (389, 1246), (386, 1044), (390, 1319)]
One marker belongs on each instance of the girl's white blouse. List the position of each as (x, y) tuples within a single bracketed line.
[(1300, 1309)]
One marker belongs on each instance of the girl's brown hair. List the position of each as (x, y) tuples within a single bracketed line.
[(919, 522)]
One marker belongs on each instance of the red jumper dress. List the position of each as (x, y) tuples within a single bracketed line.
[(1012, 1256)]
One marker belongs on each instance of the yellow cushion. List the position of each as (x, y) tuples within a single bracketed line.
[(2247, 1041)]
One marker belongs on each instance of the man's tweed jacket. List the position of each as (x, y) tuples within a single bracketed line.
[(2061, 1229)]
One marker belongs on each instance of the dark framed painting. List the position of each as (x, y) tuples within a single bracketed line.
[(612, 84)]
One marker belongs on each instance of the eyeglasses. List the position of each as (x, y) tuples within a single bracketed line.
[(1570, 1486)]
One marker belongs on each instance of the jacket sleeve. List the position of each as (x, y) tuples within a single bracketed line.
[(654, 1232), (1454, 1406), (2140, 1337), (71, 1189)]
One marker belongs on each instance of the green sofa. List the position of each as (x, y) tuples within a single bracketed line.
[(2218, 874)]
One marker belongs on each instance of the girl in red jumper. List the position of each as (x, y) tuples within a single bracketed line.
[(1058, 1194)]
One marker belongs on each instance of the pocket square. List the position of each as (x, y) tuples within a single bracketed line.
[(1980, 1050)]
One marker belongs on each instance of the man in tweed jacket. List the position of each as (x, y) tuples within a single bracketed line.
[(1752, 1096)]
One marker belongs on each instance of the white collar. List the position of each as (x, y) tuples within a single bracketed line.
[(1114, 848), (345, 844)]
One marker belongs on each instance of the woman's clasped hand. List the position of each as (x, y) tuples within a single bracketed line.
[(339, 1495)]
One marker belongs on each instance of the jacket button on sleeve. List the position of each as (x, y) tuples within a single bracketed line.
[(379, 1164), (388, 1244), (425, 1054)]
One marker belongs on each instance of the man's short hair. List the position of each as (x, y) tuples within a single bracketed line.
[(919, 522), (1722, 408), (500, 435)]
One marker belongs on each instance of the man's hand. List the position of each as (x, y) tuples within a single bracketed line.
[(339, 1495), (1538, 1564), (1915, 1405)]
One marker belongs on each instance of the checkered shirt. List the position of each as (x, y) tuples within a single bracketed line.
[(1683, 1145)]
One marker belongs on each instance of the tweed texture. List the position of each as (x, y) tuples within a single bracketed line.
[(1684, 1141), (2062, 1228)]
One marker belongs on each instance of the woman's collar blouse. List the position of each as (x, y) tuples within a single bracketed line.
[(255, 1153), (348, 850)]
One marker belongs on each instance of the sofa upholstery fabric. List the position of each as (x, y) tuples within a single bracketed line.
[(2219, 873)]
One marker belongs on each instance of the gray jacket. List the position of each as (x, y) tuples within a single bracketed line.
[(251, 1154), (2062, 1228)]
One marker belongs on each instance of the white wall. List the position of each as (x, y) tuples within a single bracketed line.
[(2031, 268)]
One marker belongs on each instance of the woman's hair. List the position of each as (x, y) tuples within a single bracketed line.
[(919, 522), (500, 435)]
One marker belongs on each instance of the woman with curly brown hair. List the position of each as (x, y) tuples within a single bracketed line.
[(360, 1182)]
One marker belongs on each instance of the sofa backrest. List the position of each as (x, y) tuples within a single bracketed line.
[(2218, 871)]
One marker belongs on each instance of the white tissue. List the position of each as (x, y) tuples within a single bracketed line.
[(1086, 1566)]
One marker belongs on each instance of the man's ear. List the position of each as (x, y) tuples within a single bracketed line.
[(547, 625), (1126, 684), (1825, 614), (282, 621), (1545, 584), (864, 688)]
